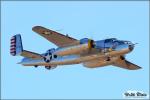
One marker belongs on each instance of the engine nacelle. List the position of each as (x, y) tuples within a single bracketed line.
[(85, 45), (90, 42)]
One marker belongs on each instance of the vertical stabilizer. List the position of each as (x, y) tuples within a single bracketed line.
[(16, 45)]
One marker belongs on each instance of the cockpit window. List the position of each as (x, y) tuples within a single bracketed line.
[(108, 40), (120, 42)]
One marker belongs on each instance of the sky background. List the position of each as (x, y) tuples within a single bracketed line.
[(126, 20)]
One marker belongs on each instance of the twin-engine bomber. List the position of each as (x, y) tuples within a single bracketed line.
[(90, 53)]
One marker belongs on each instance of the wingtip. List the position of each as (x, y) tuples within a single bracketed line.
[(36, 28), (139, 67), (136, 68)]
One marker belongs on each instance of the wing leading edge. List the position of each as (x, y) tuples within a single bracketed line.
[(58, 39)]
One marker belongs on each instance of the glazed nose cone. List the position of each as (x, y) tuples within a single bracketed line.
[(131, 46)]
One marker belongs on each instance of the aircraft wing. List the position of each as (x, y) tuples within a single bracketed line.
[(115, 61), (58, 39), (126, 64)]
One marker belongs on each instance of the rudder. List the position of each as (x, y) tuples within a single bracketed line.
[(16, 45)]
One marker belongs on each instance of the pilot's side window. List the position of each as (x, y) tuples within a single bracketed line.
[(108, 40)]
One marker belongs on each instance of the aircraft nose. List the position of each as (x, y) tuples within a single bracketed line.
[(131, 47)]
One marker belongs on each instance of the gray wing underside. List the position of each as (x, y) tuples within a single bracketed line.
[(58, 39)]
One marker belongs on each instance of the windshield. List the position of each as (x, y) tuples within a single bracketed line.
[(120, 42), (110, 40)]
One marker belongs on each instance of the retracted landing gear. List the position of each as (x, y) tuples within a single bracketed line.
[(108, 59), (122, 57), (50, 67), (35, 66)]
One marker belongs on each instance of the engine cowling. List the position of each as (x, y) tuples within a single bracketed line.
[(90, 42)]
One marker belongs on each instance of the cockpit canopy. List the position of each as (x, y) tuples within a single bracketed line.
[(107, 43), (110, 40)]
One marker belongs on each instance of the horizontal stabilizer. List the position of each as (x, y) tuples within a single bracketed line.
[(30, 54), (16, 48)]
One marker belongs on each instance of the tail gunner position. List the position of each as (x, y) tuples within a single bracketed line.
[(88, 52)]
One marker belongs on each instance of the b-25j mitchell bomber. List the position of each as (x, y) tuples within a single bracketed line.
[(86, 51)]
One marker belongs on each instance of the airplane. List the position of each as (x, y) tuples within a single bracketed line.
[(90, 53)]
